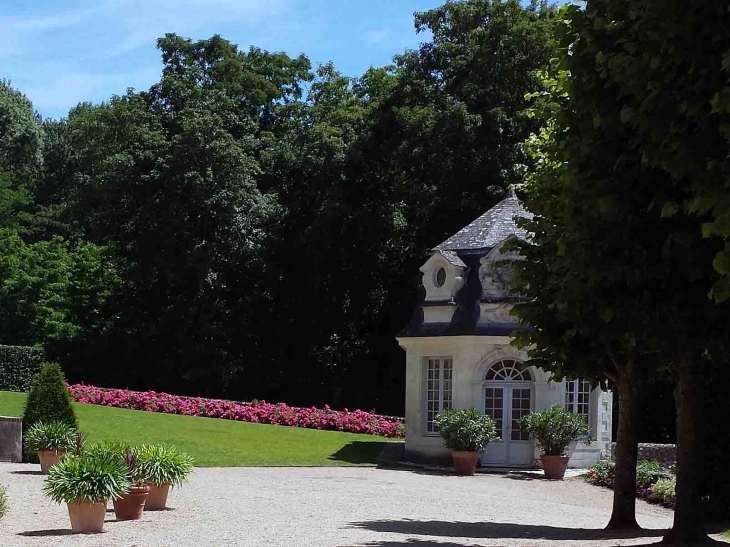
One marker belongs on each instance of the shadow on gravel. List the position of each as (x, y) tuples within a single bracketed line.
[(419, 470), (541, 478), (526, 477), (411, 542), (44, 533), (497, 530), (27, 472)]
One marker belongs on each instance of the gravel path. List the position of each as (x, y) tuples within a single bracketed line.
[(336, 507)]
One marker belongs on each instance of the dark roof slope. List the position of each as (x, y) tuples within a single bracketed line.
[(491, 228)]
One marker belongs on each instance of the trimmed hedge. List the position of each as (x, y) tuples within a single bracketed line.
[(48, 399), (19, 366)]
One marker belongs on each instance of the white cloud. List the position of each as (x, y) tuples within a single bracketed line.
[(377, 35), (60, 56)]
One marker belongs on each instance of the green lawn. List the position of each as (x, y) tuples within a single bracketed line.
[(215, 442)]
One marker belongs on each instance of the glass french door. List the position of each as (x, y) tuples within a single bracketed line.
[(507, 403)]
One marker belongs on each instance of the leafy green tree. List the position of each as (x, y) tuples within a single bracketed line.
[(584, 301), (50, 292), (220, 192), (372, 172), (33, 283), (21, 135), (619, 266), (168, 176), (21, 144)]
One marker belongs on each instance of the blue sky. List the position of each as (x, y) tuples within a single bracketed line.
[(61, 52)]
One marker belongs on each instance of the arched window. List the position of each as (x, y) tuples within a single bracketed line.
[(508, 370)]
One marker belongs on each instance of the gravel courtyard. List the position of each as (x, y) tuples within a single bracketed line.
[(337, 507)]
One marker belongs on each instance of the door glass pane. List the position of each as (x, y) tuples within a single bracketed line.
[(493, 407), (520, 408)]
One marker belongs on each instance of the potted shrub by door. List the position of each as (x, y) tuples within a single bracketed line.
[(85, 483), (50, 440), (554, 429), (466, 432), (160, 467)]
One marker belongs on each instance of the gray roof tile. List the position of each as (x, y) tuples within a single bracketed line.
[(491, 228), (452, 257)]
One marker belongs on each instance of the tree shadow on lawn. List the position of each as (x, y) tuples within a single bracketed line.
[(498, 530), (359, 452)]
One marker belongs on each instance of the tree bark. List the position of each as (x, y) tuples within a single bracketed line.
[(623, 516), (688, 527)]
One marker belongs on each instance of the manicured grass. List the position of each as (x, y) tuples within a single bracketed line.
[(215, 442)]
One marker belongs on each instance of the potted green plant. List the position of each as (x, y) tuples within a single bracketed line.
[(466, 432), (160, 467), (51, 441), (85, 482), (554, 429), (131, 505)]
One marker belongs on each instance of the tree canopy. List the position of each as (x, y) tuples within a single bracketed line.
[(251, 226), (620, 267)]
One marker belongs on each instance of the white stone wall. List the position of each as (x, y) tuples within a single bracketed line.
[(472, 356)]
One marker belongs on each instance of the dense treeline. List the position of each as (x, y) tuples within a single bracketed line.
[(251, 227)]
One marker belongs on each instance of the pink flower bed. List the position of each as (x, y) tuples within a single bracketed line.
[(258, 412)]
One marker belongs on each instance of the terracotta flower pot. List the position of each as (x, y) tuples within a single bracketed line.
[(157, 498), (87, 517), (130, 507), (49, 458), (554, 466), (465, 462)]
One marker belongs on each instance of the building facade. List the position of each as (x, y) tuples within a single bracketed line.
[(458, 352)]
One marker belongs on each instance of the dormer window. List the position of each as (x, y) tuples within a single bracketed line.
[(441, 277)]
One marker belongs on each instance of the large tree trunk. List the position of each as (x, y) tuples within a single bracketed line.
[(688, 528), (623, 516)]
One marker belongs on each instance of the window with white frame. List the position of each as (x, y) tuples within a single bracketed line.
[(578, 397), (439, 371)]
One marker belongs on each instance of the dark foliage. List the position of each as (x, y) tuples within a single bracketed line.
[(19, 366)]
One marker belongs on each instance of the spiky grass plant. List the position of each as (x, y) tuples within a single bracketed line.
[(90, 478), (114, 448), (159, 464), (3, 502), (54, 435)]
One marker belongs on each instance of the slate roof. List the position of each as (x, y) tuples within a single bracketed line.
[(491, 228), (452, 257)]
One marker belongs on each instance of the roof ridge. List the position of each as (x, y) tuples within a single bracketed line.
[(489, 229)]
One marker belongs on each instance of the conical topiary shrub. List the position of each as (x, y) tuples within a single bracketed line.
[(48, 400)]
